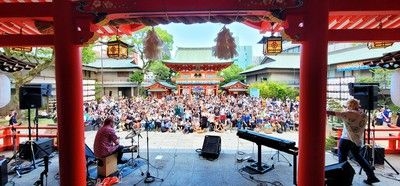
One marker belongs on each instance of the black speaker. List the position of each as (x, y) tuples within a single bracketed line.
[(339, 174), (366, 93), (379, 154), (30, 97), (3, 172), (45, 88), (211, 147), (40, 147)]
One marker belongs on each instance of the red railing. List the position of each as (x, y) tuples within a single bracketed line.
[(22, 133), (386, 137)]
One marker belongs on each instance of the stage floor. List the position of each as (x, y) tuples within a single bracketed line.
[(173, 158)]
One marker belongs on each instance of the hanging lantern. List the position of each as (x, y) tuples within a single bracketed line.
[(271, 45), (117, 49), (5, 91), (379, 44), (22, 49), (395, 87)]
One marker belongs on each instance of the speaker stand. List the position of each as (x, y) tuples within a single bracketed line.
[(278, 154)]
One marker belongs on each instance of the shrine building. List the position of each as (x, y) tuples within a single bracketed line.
[(197, 70)]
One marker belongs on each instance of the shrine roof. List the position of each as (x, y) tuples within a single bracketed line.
[(281, 61), (232, 83), (357, 53), (113, 63), (201, 55), (360, 53), (166, 84)]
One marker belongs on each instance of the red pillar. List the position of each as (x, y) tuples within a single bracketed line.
[(69, 97), (313, 81)]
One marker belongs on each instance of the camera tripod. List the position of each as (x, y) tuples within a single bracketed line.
[(148, 177)]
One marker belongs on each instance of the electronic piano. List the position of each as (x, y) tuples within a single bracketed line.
[(272, 142)]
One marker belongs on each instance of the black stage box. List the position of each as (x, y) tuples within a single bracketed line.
[(40, 147), (211, 147), (3, 172), (339, 174), (379, 155)]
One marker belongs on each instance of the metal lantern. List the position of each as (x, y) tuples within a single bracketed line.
[(380, 44), (271, 45), (22, 49), (117, 49)]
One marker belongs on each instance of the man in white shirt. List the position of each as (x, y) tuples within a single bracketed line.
[(352, 137)]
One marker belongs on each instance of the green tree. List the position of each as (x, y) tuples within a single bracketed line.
[(88, 54), (137, 77), (232, 73), (161, 72), (270, 89)]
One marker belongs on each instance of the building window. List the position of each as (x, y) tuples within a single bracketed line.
[(122, 74)]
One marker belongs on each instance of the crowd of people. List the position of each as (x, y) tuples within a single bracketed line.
[(188, 114)]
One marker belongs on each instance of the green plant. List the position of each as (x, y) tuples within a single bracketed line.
[(330, 142)]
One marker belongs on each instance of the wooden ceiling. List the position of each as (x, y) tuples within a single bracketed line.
[(349, 20)]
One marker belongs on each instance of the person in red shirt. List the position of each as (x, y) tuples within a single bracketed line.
[(106, 142)]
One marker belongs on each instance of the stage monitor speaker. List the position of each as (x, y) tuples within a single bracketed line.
[(379, 155), (40, 147), (3, 172), (30, 97), (211, 147), (339, 174)]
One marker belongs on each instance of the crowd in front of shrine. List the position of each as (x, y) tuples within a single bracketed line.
[(189, 114)]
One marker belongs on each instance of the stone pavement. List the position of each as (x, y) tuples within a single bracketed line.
[(173, 158)]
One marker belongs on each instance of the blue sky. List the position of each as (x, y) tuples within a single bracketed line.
[(203, 35)]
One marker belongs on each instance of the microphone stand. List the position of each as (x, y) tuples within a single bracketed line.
[(149, 178)]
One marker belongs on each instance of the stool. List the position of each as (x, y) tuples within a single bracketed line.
[(107, 165)]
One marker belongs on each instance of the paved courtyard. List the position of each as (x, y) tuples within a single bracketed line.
[(174, 159)]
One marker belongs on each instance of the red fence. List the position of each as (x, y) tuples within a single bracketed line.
[(22, 133), (386, 137)]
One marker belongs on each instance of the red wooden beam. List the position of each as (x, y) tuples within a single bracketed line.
[(26, 40), (364, 7), (188, 6), (359, 35), (26, 10)]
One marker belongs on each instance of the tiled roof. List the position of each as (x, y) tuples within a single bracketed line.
[(282, 61), (164, 83), (195, 55), (112, 63), (358, 53), (232, 83)]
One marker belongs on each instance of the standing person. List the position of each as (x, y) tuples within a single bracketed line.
[(352, 137), (106, 142), (13, 119)]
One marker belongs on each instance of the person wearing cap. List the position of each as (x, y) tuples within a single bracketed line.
[(106, 142), (352, 137)]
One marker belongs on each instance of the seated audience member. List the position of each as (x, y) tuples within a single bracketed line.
[(106, 142)]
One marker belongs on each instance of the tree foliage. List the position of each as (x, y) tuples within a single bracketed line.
[(137, 77), (88, 54), (270, 89), (161, 72), (232, 73)]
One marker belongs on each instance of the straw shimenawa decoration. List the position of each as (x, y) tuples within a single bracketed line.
[(226, 46), (152, 45)]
